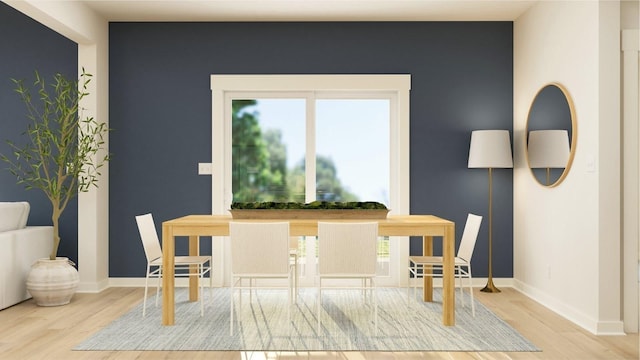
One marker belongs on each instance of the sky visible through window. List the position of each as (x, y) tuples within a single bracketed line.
[(354, 133)]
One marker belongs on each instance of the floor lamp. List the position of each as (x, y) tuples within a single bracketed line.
[(548, 149), (490, 149)]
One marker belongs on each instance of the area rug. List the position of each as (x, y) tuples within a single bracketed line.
[(347, 325)]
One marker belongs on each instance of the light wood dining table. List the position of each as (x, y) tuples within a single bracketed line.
[(194, 226)]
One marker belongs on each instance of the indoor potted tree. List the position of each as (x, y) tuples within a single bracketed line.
[(61, 155)]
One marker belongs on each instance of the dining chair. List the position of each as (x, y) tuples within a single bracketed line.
[(348, 250), (423, 266), (183, 265), (260, 250)]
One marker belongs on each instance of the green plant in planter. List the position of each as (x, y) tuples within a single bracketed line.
[(64, 150), (366, 205)]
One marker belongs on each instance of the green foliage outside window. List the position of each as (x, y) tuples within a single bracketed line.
[(260, 164), (328, 205)]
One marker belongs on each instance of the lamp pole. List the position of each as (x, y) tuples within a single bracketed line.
[(490, 287)]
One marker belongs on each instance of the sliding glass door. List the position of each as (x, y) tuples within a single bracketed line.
[(269, 148)]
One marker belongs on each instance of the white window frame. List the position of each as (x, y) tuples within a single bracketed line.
[(226, 87)]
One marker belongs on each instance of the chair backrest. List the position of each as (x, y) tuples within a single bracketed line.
[(259, 248), (469, 237), (149, 237), (347, 248)]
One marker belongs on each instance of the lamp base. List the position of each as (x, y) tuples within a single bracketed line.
[(490, 288)]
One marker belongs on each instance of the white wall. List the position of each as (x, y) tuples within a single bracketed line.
[(567, 238), (629, 22), (629, 14), (80, 24), (631, 177)]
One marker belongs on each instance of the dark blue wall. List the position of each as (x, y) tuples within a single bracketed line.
[(160, 109), (26, 46)]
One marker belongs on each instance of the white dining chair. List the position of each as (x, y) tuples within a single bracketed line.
[(348, 250), (182, 264), (260, 250), (422, 266)]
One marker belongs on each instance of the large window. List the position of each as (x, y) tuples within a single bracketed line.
[(312, 137), (269, 147)]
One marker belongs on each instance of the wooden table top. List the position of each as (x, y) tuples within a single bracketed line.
[(393, 225)]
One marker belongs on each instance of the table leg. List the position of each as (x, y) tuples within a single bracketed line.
[(194, 250), (427, 250), (448, 280), (168, 296)]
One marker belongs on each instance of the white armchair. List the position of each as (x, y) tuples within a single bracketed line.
[(20, 246)]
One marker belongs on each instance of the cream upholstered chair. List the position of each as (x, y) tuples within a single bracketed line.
[(183, 264), (419, 265), (348, 250), (260, 250)]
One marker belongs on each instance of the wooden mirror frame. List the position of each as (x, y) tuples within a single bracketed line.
[(573, 130)]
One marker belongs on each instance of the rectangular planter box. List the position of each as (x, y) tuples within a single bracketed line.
[(309, 213)]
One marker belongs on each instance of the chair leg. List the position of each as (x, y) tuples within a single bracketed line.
[(231, 308), (421, 277), (210, 284), (409, 284), (295, 277), (291, 280), (459, 274), (415, 277), (296, 280), (319, 304), (473, 306), (408, 288), (201, 290), (292, 287), (240, 292), (158, 286), (146, 290), (374, 294)]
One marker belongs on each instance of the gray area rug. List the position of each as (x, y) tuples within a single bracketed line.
[(347, 325)]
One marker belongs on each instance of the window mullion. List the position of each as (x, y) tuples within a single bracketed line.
[(310, 149)]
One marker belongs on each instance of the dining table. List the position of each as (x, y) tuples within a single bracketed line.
[(195, 226)]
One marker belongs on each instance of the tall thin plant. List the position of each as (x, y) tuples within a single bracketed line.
[(64, 150)]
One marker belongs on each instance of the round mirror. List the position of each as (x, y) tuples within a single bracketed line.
[(551, 135)]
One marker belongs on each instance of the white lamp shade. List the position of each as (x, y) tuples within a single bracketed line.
[(490, 149), (548, 148)]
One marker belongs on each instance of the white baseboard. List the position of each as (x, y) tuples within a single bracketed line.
[(477, 282), (139, 282), (183, 282), (95, 287), (569, 312)]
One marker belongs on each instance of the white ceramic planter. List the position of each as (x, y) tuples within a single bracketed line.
[(52, 282)]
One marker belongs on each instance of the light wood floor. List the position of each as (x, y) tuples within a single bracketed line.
[(30, 332)]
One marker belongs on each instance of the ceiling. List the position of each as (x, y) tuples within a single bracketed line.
[(309, 10)]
